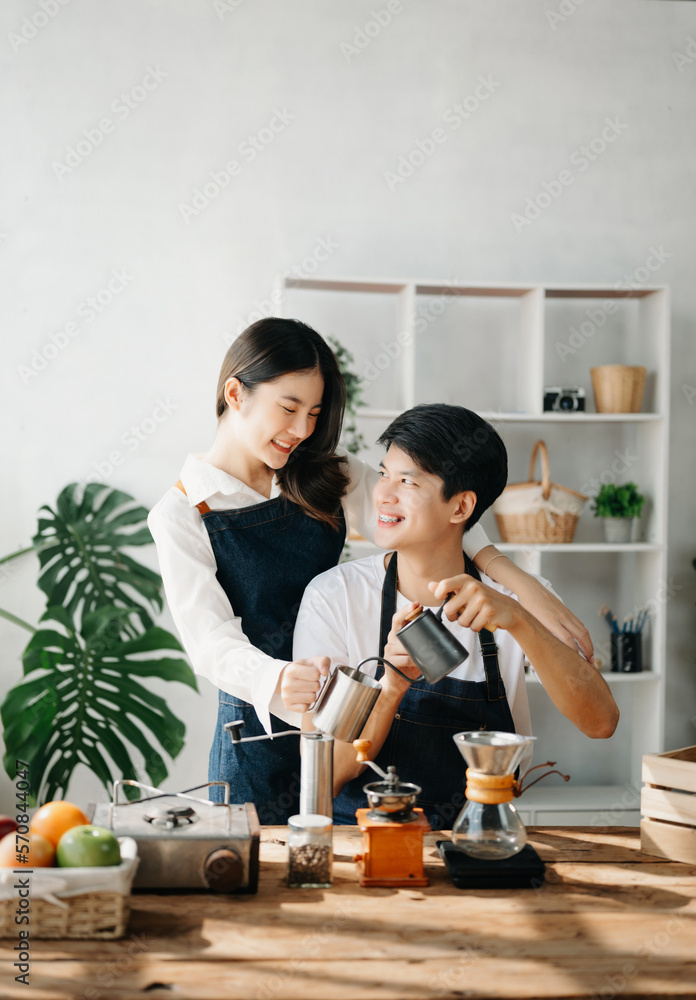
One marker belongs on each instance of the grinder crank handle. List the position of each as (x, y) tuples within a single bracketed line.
[(362, 747), (235, 731)]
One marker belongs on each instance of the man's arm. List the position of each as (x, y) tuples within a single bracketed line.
[(576, 688)]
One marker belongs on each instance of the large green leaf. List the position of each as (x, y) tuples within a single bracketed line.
[(81, 701), (80, 549)]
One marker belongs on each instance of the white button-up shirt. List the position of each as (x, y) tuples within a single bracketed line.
[(340, 617), (212, 635)]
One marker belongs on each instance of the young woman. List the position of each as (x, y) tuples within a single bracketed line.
[(257, 517)]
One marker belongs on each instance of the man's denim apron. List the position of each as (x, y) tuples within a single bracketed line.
[(419, 742), (266, 555)]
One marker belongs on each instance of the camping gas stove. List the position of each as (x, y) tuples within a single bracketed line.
[(187, 842)]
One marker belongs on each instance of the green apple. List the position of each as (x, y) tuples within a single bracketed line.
[(87, 847)]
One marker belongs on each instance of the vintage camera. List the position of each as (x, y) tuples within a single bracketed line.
[(566, 400)]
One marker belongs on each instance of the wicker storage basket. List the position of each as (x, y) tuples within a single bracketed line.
[(94, 915), (537, 512), (100, 914), (618, 388)]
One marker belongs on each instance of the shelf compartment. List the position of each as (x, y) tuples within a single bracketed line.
[(534, 418), (373, 320), (627, 328), (449, 323), (577, 547), (610, 677)]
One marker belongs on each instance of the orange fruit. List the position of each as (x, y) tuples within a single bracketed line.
[(41, 854), (55, 818)]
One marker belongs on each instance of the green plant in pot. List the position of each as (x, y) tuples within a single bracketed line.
[(81, 700), (618, 506)]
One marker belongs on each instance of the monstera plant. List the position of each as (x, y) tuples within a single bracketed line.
[(82, 700)]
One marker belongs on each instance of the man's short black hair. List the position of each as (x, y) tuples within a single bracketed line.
[(458, 446)]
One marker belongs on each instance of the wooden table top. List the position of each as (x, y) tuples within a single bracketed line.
[(610, 922)]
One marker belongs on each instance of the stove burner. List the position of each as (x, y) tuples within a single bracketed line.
[(170, 817)]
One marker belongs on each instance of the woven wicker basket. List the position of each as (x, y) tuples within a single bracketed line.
[(95, 915), (538, 526), (73, 902)]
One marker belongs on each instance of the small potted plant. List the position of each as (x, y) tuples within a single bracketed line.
[(618, 506)]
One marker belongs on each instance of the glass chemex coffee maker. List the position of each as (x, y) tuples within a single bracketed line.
[(392, 829), (489, 826), (489, 848)]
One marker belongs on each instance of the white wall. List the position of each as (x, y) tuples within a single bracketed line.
[(191, 283)]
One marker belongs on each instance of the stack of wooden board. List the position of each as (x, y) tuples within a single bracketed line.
[(668, 805)]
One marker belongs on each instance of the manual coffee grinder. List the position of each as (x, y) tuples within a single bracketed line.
[(392, 829)]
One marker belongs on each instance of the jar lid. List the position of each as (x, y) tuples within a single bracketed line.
[(311, 821)]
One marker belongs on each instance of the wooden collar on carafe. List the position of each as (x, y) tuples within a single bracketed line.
[(490, 789)]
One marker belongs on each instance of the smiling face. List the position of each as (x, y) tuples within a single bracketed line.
[(411, 511), (277, 416)]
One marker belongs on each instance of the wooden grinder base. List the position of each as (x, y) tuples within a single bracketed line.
[(392, 852)]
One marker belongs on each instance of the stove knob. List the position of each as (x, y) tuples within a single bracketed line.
[(223, 870)]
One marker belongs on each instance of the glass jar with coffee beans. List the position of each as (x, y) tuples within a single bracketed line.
[(310, 854)]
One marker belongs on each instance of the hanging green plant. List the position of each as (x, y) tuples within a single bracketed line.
[(81, 700)]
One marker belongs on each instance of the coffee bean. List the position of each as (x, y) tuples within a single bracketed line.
[(309, 864)]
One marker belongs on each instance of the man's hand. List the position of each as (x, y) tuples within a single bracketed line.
[(476, 606), (299, 682), (395, 652)]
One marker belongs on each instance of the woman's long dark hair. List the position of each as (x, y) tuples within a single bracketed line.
[(315, 477)]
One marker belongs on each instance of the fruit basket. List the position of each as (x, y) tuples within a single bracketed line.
[(72, 902)]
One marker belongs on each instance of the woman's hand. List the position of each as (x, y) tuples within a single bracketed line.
[(299, 682), (554, 615), (537, 599), (395, 652)]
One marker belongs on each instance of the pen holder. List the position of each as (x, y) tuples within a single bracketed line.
[(626, 652)]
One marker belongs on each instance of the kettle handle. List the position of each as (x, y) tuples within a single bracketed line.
[(411, 680), (438, 613), (322, 694)]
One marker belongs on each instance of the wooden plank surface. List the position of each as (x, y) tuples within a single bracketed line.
[(608, 918), (625, 977)]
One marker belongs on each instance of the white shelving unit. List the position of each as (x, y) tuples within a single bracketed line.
[(493, 348)]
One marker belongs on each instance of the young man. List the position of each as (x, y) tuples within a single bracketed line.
[(443, 468)]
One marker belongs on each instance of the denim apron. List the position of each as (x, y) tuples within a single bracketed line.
[(266, 555), (419, 742)]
